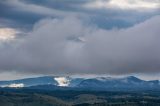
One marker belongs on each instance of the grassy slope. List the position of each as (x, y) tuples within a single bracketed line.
[(14, 99)]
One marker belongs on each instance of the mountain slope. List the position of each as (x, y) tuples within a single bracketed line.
[(97, 83), (127, 83), (30, 81)]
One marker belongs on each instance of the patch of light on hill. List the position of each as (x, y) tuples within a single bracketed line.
[(20, 85), (62, 81)]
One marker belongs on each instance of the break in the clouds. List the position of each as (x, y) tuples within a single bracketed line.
[(7, 34), (80, 37)]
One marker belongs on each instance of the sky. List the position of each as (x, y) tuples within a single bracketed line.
[(79, 37)]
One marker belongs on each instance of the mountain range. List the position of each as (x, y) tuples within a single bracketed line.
[(97, 83)]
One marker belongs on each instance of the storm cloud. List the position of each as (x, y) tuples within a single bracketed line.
[(71, 46), (79, 37), (106, 14)]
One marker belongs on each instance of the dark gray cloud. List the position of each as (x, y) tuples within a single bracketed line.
[(71, 46), (27, 12)]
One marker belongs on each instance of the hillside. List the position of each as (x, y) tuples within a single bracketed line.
[(21, 97)]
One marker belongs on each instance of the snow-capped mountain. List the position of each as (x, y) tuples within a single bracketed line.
[(126, 83), (97, 83), (30, 81), (46, 80)]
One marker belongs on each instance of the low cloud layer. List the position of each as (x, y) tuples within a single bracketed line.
[(113, 37), (71, 46)]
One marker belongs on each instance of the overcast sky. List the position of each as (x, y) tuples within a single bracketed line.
[(79, 37)]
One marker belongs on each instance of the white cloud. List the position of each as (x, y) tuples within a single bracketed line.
[(124, 4), (7, 34)]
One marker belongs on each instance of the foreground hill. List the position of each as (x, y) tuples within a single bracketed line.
[(23, 97)]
